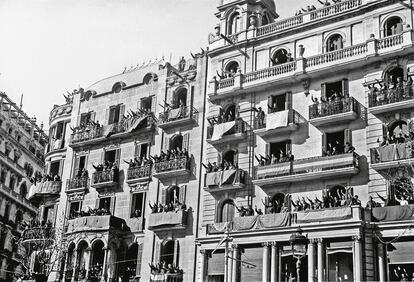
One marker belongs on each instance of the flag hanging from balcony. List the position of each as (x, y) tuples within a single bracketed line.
[(136, 123), (276, 120), (221, 129), (108, 130)]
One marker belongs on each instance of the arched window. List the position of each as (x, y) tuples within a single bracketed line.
[(150, 78), (118, 87), (338, 192), (234, 24), (176, 142), (398, 128), (231, 69), (97, 258), (83, 253), (169, 250), (226, 212), (393, 26), (281, 56), (131, 259), (7, 211), (392, 75), (277, 201), (230, 113), (229, 157), (334, 42), (265, 19), (180, 98)]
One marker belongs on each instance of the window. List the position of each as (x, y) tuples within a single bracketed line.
[(281, 56), (392, 75), (170, 252), (59, 133), (12, 182), (277, 151), (114, 114), (265, 19), (80, 164), (75, 207), (334, 143), (110, 156), (19, 217), (117, 88), (334, 42), (393, 26), (229, 157), (226, 212), (329, 91), (23, 190), (146, 103), (54, 168), (173, 195), (180, 98), (86, 118), (176, 142), (234, 24), (142, 150), (230, 113), (277, 103), (231, 69), (106, 203), (3, 176), (7, 211), (137, 206), (48, 214)]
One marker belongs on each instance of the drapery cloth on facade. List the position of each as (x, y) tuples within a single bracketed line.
[(323, 215), (174, 113), (108, 130), (167, 218), (395, 152), (392, 213), (219, 178), (277, 119), (45, 188), (166, 277), (136, 123), (260, 221), (8, 241), (220, 129)]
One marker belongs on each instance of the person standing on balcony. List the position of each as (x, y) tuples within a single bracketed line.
[(260, 116)]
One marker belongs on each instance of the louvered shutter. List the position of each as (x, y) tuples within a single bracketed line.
[(323, 91), (97, 203), (348, 136), (186, 141), (112, 209), (107, 115), (270, 103), (121, 112), (76, 166), (139, 259), (345, 88), (176, 252), (163, 196), (166, 144), (93, 115), (137, 150), (153, 103), (61, 164), (324, 142), (182, 195), (103, 156), (157, 257), (267, 150), (288, 101), (236, 157)]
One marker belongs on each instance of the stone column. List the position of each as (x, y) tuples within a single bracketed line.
[(274, 262), (105, 264), (75, 265), (65, 268), (311, 260), (265, 275), (321, 259), (235, 264), (88, 261), (204, 263), (381, 262), (358, 258)]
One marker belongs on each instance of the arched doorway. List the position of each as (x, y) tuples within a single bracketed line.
[(180, 98), (229, 158), (226, 212), (97, 260), (233, 23), (176, 142), (70, 262), (229, 113), (277, 201), (393, 26), (232, 68), (334, 42), (392, 75), (82, 259), (168, 250)]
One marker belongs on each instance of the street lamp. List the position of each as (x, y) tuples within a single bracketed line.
[(299, 244)]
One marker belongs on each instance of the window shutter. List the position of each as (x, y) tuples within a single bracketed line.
[(166, 144), (76, 166), (288, 146), (96, 203), (107, 114), (191, 97), (157, 257), (267, 149), (288, 102), (163, 196), (153, 103), (182, 195), (103, 156), (348, 136), (139, 103), (345, 88), (186, 141), (219, 158), (350, 190), (269, 103), (93, 115), (267, 203), (236, 157), (137, 150), (323, 91), (112, 209), (288, 201), (139, 259), (384, 130), (176, 252), (118, 156), (121, 112), (61, 164), (324, 142)]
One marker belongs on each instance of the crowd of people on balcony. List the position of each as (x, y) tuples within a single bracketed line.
[(172, 206), (169, 155), (225, 165), (106, 166), (163, 268), (141, 161), (402, 275), (88, 126), (271, 159), (222, 118), (338, 148), (390, 91), (311, 8), (330, 200), (44, 178), (90, 212), (249, 211), (181, 113), (335, 103), (398, 138)]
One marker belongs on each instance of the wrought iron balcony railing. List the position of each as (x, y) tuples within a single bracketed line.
[(335, 107), (178, 116), (106, 177), (77, 184), (389, 96), (239, 127), (139, 172)]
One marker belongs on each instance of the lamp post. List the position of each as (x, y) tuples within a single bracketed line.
[(299, 244)]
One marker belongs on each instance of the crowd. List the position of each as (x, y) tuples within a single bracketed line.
[(281, 157), (139, 162), (249, 211), (223, 117), (311, 8), (338, 148), (334, 103), (341, 198), (391, 91), (170, 155), (168, 207), (225, 165), (163, 268), (174, 112), (44, 178), (106, 166), (88, 126), (90, 212)]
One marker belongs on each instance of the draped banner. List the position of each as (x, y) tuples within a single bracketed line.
[(220, 177), (220, 129), (213, 178), (174, 113), (260, 221), (324, 215), (392, 213), (228, 176), (167, 218), (277, 119), (108, 130), (45, 188), (166, 277), (395, 152), (136, 123)]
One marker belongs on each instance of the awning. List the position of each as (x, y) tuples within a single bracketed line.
[(277, 119), (220, 129)]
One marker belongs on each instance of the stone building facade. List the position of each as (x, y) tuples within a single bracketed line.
[(313, 114), (22, 147)]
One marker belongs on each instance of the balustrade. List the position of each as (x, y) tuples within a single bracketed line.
[(139, 172), (77, 183), (390, 41), (280, 25), (334, 9), (332, 56), (340, 106), (106, 176), (180, 163), (270, 72)]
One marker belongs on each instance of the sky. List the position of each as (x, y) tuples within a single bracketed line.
[(49, 47)]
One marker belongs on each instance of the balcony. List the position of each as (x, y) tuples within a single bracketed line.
[(393, 213), (226, 180), (167, 220), (278, 126), (94, 135), (135, 223), (227, 132), (172, 168), (307, 169), (178, 118), (389, 100), (105, 179), (373, 50), (138, 174), (391, 156), (39, 234), (47, 189), (95, 223), (167, 277), (77, 185), (334, 112)]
